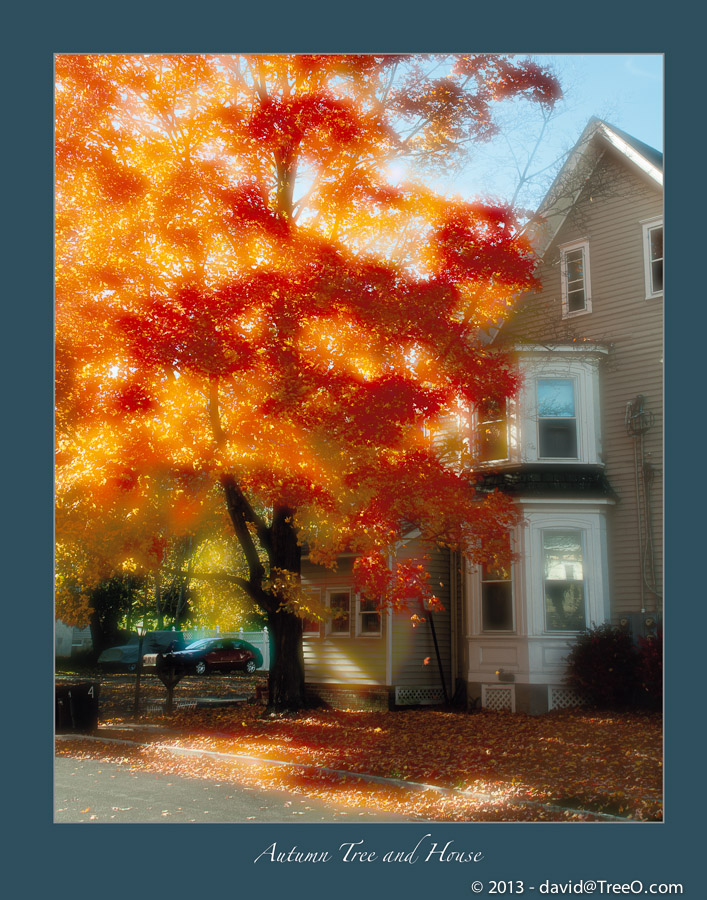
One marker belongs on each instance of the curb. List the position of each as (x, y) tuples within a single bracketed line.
[(344, 773)]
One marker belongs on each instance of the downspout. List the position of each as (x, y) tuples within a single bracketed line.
[(389, 639), (439, 658), (453, 605)]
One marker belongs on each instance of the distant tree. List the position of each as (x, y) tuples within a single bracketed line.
[(245, 299)]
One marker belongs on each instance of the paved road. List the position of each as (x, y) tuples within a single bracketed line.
[(87, 790)]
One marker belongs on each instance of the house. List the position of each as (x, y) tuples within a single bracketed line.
[(580, 448)]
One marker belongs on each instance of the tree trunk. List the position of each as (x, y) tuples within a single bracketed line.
[(286, 682)]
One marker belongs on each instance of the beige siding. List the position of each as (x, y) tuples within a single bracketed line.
[(336, 659), (414, 661), (609, 215)]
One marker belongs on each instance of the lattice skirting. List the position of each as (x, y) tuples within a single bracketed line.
[(560, 697), (416, 696), (498, 697)]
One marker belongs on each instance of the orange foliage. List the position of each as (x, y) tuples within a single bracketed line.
[(238, 295)]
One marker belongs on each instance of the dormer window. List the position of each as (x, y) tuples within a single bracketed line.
[(653, 257), (576, 289)]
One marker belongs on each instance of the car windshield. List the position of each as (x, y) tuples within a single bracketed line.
[(198, 645)]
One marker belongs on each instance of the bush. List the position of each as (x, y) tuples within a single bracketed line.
[(649, 671), (603, 667)]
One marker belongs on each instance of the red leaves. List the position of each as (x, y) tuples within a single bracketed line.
[(528, 767), (480, 242)]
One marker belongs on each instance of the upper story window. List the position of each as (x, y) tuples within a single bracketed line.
[(563, 581), (653, 257), (492, 430), (557, 419), (496, 598), (576, 287)]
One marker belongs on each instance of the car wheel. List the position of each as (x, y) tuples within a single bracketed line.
[(250, 666), (201, 668)]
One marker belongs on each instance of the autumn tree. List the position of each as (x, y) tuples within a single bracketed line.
[(246, 298)]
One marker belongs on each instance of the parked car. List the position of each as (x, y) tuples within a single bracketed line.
[(124, 656), (223, 654)]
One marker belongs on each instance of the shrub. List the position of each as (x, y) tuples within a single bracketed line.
[(649, 671), (603, 667)]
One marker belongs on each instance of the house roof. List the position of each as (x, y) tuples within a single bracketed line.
[(578, 167)]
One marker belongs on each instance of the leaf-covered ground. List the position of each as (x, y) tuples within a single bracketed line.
[(569, 765)]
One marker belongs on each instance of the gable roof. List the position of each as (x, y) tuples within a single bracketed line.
[(578, 167)]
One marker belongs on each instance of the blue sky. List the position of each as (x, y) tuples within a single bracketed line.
[(625, 90)]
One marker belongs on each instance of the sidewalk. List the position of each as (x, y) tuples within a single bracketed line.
[(109, 734)]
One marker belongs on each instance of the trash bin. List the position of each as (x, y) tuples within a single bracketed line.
[(76, 707)]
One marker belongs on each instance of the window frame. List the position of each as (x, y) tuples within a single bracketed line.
[(648, 227), (330, 631), (574, 418), (582, 245), (582, 539), (503, 419), (315, 632), (484, 581), (359, 619)]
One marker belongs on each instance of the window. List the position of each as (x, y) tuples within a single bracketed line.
[(311, 627), (557, 421), (653, 258), (340, 605), (496, 598), (368, 617), (563, 581), (574, 268), (492, 430)]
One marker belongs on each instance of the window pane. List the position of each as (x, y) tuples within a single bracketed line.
[(492, 440), (555, 397), (563, 573), (370, 623), (575, 300), (497, 606), (657, 276), (656, 243), (340, 603), (575, 265), (558, 439)]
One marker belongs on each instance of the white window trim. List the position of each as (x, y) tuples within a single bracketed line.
[(648, 226), (329, 631), (584, 369), (367, 634), (564, 250), (492, 632), (591, 522), (576, 417)]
